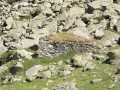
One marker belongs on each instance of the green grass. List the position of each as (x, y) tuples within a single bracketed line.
[(99, 18), (83, 82), (29, 63), (5, 57), (30, 50), (1, 10), (113, 48), (82, 78), (46, 61)]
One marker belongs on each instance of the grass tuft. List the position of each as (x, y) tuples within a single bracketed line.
[(99, 18), (5, 57)]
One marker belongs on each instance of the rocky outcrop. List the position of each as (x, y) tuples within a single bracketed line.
[(63, 43)]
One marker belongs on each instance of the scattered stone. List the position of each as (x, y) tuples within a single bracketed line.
[(64, 73), (66, 86), (18, 65), (78, 11), (94, 81), (89, 66), (116, 78), (111, 86), (99, 34), (9, 22), (52, 68), (60, 63), (49, 82), (17, 78), (45, 74), (22, 54), (99, 57), (7, 79), (45, 89)]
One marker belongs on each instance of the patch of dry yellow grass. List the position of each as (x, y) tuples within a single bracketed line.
[(70, 37), (65, 36)]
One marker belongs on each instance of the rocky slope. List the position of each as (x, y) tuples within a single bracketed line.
[(36, 34)]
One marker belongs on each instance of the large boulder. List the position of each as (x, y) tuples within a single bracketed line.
[(33, 72), (83, 60), (110, 38), (22, 54), (9, 22), (99, 34), (80, 31), (99, 4), (95, 5), (77, 11), (115, 6), (26, 43), (110, 13), (52, 26)]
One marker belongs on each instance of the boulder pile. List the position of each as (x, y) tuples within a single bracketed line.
[(23, 22)]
